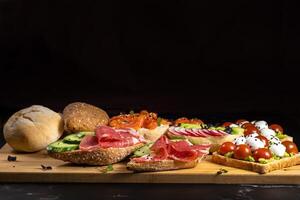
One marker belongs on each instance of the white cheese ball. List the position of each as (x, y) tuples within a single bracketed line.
[(254, 134), (239, 140), (261, 125), (268, 133), (277, 149), (274, 140), (255, 143)]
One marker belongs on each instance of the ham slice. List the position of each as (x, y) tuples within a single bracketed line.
[(89, 142), (107, 137), (181, 151)]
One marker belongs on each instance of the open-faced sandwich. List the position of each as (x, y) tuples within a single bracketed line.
[(198, 132), (106, 146), (260, 127), (165, 154), (260, 153), (148, 124)]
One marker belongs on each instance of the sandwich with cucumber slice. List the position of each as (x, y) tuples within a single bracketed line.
[(105, 146)]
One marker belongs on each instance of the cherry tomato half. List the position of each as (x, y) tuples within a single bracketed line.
[(264, 139), (242, 151), (226, 147), (241, 121), (276, 127), (262, 153), (250, 129), (247, 124), (291, 147), (226, 124)]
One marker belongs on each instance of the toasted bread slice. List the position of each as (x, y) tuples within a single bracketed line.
[(215, 141), (254, 166), (98, 156), (153, 166)]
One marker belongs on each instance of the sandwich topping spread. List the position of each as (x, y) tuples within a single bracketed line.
[(144, 119)]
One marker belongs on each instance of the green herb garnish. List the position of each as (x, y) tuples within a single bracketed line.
[(229, 154), (108, 168), (250, 159), (222, 171), (159, 119), (131, 112)]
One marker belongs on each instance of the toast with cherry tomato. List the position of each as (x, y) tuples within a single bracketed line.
[(258, 153)]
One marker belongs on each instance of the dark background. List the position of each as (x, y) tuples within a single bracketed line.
[(216, 60)]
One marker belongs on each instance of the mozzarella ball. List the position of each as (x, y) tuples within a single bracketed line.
[(268, 133), (239, 140), (254, 134), (255, 143), (261, 125), (277, 149), (274, 140)]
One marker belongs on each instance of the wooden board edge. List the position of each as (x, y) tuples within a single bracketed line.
[(144, 178)]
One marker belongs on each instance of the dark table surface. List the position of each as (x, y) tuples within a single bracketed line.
[(147, 191)]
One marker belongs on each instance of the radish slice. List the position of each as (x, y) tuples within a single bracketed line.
[(201, 133), (191, 132)]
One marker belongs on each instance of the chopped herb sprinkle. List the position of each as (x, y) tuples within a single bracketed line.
[(46, 167), (11, 158)]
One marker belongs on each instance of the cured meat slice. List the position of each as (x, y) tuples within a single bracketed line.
[(182, 151), (89, 142), (159, 149), (108, 137), (202, 148)]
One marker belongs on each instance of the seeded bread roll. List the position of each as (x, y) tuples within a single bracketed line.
[(97, 156), (83, 117), (33, 128)]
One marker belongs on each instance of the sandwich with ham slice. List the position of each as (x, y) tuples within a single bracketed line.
[(166, 154), (106, 146)]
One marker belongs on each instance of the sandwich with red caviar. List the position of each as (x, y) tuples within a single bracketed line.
[(147, 124)]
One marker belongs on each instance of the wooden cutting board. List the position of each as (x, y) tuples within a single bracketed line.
[(28, 168)]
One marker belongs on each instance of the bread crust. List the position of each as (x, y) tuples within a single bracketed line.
[(32, 129), (163, 165), (215, 141), (80, 116), (97, 156), (254, 166)]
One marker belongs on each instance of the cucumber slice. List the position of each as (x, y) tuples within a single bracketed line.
[(76, 137), (60, 146), (144, 150)]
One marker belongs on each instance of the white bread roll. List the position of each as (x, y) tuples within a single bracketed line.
[(33, 128)]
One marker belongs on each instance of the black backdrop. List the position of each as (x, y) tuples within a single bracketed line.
[(215, 60)]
